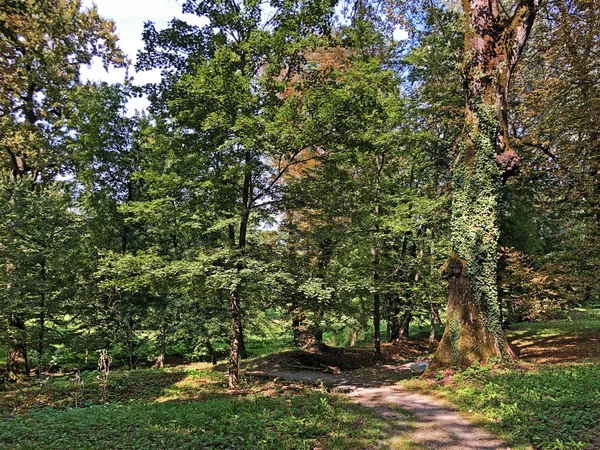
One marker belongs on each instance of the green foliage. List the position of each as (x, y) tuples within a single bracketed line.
[(43, 45), (577, 321), (299, 419), (477, 186), (551, 408)]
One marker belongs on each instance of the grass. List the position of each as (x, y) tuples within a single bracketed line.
[(553, 406), (285, 422), (577, 321), (549, 400), (256, 348), (182, 409)]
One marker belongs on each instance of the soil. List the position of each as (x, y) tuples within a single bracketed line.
[(322, 358), (558, 349)]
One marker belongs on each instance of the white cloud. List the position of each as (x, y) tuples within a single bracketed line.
[(129, 16), (400, 34)]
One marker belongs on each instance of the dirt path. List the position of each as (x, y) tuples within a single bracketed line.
[(416, 420)]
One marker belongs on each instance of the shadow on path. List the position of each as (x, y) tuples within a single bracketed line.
[(419, 419)]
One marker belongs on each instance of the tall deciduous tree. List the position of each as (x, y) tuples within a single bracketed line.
[(225, 102), (42, 46), (494, 40)]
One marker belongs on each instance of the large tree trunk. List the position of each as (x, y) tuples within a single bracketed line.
[(404, 326), (483, 161), (16, 358)]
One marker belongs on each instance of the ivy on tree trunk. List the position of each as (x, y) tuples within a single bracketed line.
[(494, 40)]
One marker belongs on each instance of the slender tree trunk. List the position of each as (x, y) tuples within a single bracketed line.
[(234, 354), (326, 250), (395, 322), (243, 351), (131, 343), (16, 358), (211, 352), (376, 295), (42, 317), (354, 336), (297, 331), (160, 361), (483, 161), (317, 333), (237, 337), (432, 317), (388, 319)]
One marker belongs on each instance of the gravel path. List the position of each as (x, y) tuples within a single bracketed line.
[(422, 420)]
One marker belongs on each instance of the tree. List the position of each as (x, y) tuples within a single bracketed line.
[(494, 40), (42, 46), (555, 124), (225, 103)]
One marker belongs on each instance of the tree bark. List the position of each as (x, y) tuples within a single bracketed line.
[(234, 354), (354, 336), (297, 331), (395, 320), (131, 341), (326, 250), (404, 326), (160, 361), (376, 295), (243, 351), (432, 318), (42, 317), (211, 352), (237, 337), (483, 162)]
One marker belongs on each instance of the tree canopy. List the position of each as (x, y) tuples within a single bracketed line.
[(299, 174)]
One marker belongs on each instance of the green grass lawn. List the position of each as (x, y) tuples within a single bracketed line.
[(551, 406), (181, 409), (575, 322)]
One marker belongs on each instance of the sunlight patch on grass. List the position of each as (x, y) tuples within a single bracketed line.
[(554, 407), (308, 419)]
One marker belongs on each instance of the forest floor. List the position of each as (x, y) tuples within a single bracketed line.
[(548, 399), (414, 420)]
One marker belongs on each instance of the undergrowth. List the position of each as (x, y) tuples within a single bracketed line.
[(553, 408), (182, 409)]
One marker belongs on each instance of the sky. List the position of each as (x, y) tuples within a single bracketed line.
[(129, 16)]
